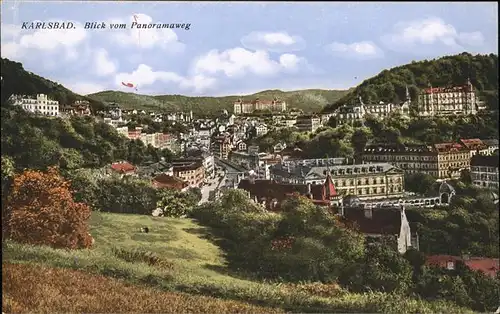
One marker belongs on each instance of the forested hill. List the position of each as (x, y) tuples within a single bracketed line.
[(389, 85), (16, 80)]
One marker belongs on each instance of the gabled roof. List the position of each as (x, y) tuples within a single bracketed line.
[(384, 221), (448, 147), (329, 187), (271, 190), (473, 143), (165, 180)]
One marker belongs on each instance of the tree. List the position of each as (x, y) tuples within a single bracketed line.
[(195, 195), (359, 139), (42, 211), (8, 169), (174, 203), (419, 182), (134, 196)]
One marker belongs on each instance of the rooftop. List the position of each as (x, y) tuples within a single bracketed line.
[(335, 170), (488, 266), (383, 221), (123, 167)]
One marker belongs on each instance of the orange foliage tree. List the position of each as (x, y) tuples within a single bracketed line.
[(42, 211)]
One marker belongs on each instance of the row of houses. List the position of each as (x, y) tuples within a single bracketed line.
[(181, 174), (442, 160), (157, 140)]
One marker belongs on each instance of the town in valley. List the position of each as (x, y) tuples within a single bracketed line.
[(344, 160)]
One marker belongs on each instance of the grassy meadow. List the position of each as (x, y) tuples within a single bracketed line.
[(175, 263)]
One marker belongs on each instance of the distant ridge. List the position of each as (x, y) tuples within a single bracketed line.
[(309, 100)]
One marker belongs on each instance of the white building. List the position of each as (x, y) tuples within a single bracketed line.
[(290, 121), (348, 114), (209, 165), (41, 104), (123, 131), (115, 122), (261, 129), (456, 100), (484, 171)]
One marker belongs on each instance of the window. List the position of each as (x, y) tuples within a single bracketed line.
[(450, 265)]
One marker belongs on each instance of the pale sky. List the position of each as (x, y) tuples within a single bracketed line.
[(239, 48)]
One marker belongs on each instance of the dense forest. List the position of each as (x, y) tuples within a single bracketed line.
[(390, 85), (80, 142), (16, 80)]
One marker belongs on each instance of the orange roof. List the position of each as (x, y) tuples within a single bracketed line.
[(489, 266), (123, 167)]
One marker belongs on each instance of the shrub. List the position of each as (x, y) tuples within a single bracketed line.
[(149, 258), (42, 211), (173, 203), (128, 196)]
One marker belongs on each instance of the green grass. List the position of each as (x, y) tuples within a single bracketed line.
[(195, 265), (310, 100)]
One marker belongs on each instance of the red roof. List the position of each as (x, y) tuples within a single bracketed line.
[(436, 90), (473, 143), (165, 181), (329, 188), (270, 190), (123, 167), (489, 266), (445, 147)]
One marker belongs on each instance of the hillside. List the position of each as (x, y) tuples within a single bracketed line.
[(309, 100), (390, 85), (16, 80), (175, 256)]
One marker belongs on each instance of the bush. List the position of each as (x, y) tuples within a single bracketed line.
[(42, 211), (128, 196), (174, 203), (138, 256)]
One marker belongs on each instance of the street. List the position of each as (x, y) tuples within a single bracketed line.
[(212, 185)]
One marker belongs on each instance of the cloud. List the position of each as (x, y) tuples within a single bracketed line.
[(164, 38), (357, 50), (238, 62), (18, 43), (85, 88), (145, 76), (103, 64), (276, 42), (418, 35), (471, 39)]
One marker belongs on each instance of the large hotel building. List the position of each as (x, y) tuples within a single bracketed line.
[(275, 105), (446, 101)]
